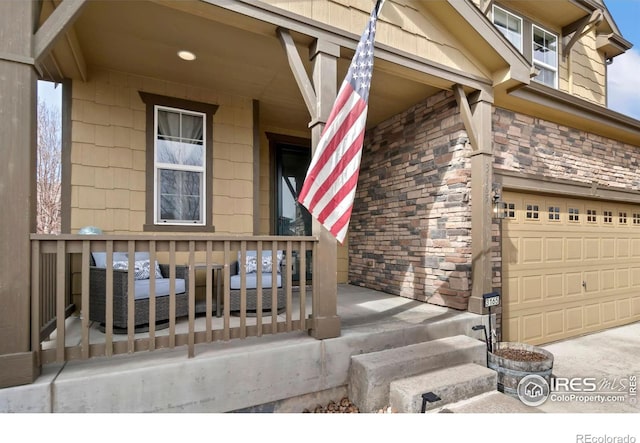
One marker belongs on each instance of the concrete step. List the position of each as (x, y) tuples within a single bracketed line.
[(370, 375), (489, 402), (451, 384)]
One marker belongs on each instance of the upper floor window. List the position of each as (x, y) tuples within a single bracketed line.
[(179, 163), (539, 46), (509, 24), (545, 56)]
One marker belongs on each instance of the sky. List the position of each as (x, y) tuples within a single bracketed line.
[(623, 73)]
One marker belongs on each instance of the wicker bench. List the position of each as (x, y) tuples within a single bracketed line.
[(97, 298), (251, 285)]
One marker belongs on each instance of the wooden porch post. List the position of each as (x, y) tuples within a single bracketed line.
[(18, 362), (481, 104), (325, 322)]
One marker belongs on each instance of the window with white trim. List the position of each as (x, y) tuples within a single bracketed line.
[(545, 56), (509, 24), (179, 166), (538, 45)]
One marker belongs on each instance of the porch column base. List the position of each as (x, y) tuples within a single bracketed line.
[(476, 305), (324, 327), (18, 369)]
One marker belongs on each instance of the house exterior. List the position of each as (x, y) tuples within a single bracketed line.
[(473, 104)]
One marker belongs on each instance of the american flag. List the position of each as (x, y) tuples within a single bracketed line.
[(330, 185)]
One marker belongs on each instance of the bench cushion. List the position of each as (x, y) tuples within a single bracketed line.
[(162, 287), (252, 283)]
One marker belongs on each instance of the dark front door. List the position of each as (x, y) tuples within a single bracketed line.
[(292, 218)]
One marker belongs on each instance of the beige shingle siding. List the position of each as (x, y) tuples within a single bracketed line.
[(588, 68), (412, 30), (109, 147)]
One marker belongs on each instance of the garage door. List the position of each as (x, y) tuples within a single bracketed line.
[(570, 267)]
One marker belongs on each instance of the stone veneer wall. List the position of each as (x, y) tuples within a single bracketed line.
[(545, 149), (410, 230)]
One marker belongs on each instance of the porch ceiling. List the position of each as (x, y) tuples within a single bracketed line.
[(561, 14), (236, 55)]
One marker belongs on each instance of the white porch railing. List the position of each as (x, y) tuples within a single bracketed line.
[(76, 336)]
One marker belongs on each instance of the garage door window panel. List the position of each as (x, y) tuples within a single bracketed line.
[(574, 214), (622, 218), (533, 212)]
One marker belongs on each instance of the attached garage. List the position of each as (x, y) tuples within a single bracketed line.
[(570, 266)]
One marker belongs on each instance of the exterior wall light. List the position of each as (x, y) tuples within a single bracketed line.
[(498, 207)]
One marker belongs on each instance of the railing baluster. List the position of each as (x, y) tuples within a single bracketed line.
[(209, 294), (259, 285), (60, 299), (131, 285), (303, 283), (84, 276), (275, 289), (243, 288), (227, 280), (152, 296), (172, 294), (108, 327), (289, 277), (192, 299), (36, 344)]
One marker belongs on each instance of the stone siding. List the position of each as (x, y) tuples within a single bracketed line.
[(545, 149), (410, 230)]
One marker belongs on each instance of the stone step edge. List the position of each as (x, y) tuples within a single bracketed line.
[(448, 383), (381, 367)]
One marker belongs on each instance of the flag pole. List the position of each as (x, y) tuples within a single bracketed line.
[(379, 4)]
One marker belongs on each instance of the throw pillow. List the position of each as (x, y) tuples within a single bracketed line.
[(142, 268), (251, 264), (267, 262)]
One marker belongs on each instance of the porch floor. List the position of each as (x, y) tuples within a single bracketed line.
[(274, 373), (357, 307)]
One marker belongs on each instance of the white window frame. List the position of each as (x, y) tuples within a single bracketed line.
[(509, 15), (170, 166), (554, 69)]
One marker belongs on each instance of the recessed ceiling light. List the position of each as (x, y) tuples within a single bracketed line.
[(186, 55)]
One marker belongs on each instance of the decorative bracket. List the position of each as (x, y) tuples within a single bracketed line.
[(299, 73), (580, 28), (467, 116)]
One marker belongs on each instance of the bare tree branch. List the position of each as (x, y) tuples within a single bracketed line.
[(48, 174)]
